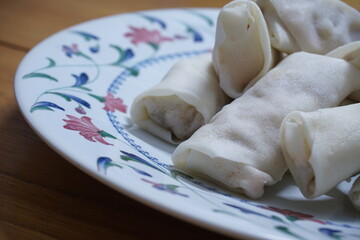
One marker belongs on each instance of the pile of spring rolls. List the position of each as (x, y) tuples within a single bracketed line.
[(267, 99)]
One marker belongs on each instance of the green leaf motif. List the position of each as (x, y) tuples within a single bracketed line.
[(114, 165), (171, 187), (51, 63), (203, 16), (121, 54), (287, 231), (126, 158), (132, 71), (100, 99), (154, 46), (176, 174), (39, 75), (80, 54), (292, 218), (61, 95), (125, 55), (84, 88), (276, 218), (105, 134), (40, 108)]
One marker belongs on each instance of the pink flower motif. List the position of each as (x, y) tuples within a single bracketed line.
[(112, 104), (80, 110), (87, 129), (72, 50), (142, 35)]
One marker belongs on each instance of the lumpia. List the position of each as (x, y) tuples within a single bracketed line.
[(316, 26), (239, 147), (321, 148), (242, 52), (187, 98)]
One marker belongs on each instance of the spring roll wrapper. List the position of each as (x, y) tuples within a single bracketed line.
[(187, 98), (321, 148), (242, 52), (312, 26), (239, 147), (351, 53), (354, 194)]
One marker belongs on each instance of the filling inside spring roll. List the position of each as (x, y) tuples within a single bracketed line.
[(186, 98), (173, 114)]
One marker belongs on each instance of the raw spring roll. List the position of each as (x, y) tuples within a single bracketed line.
[(351, 53), (239, 148), (321, 148), (354, 194), (187, 98), (242, 52), (316, 26)]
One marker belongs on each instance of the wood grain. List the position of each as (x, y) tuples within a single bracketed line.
[(48, 18), (42, 196)]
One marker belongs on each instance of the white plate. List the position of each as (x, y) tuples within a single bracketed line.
[(76, 87)]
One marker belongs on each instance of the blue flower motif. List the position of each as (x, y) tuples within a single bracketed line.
[(141, 172), (95, 49), (247, 211), (80, 79), (79, 100), (341, 225), (124, 55), (46, 106), (69, 97), (196, 35), (132, 157), (330, 232), (103, 163), (128, 54)]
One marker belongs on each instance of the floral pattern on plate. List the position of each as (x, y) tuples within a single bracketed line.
[(82, 83)]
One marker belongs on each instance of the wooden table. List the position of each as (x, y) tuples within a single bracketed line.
[(42, 196)]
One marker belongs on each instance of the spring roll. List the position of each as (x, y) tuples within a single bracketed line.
[(321, 148), (242, 52), (187, 98), (354, 194), (351, 53), (239, 147), (316, 26)]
